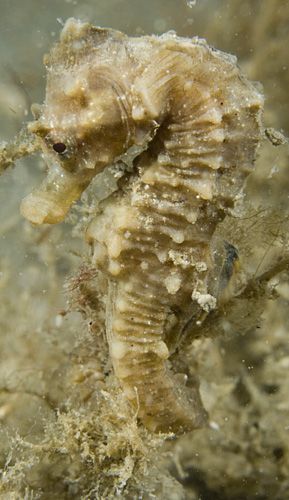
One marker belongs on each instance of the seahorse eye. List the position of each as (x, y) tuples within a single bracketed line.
[(59, 147)]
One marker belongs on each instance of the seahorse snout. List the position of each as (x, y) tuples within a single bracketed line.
[(40, 208), (50, 203)]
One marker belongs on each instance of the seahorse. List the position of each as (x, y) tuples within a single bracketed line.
[(192, 123)]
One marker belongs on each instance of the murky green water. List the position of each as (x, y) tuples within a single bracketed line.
[(244, 454)]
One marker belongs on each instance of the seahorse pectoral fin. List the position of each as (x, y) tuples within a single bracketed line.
[(230, 273)]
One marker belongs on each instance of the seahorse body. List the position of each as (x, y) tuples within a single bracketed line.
[(197, 121)]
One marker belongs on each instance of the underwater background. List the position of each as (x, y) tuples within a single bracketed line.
[(62, 432)]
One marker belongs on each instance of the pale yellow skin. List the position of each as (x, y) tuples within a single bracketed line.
[(197, 121)]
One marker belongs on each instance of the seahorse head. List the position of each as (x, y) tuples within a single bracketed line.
[(107, 92), (85, 122)]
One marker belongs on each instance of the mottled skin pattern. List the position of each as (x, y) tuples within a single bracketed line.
[(196, 121)]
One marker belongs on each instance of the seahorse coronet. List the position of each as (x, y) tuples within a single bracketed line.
[(195, 122)]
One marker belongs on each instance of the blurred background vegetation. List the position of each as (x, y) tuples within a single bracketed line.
[(62, 433)]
